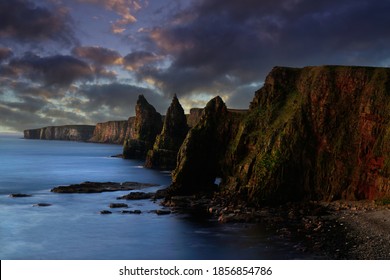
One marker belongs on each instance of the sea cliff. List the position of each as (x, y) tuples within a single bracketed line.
[(319, 133), (65, 132), (113, 132)]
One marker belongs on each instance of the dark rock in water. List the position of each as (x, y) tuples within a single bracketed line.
[(163, 212), (20, 195), (175, 128), (118, 205), (196, 207), (117, 156), (144, 129), (160, 194), (95, 187), (105, 212), (137, 196), (137, 212), (42, 205), (134, 149)]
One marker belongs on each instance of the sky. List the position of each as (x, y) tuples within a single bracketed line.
[(86, 61)]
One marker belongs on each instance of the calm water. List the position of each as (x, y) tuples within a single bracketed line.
[(72, 227)]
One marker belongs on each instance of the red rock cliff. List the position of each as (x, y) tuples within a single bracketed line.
[(311, 133)]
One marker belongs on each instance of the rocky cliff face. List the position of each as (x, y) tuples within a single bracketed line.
[(311, 133), (194, 116), (66, 132), (110, 132), (143, 130), (199, 160), (175, 128)]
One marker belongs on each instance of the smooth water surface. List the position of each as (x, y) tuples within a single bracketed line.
[(73, 228)]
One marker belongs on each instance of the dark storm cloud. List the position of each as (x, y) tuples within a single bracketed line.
[(24, 108), (23, 21), (98, 55), (27, 105), (5, 53), (58, 70), (135, 60), (235, 43), (18, 120), (116, 99)]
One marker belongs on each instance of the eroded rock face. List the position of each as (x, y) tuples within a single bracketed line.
[(110, 132), (65, 132), (142, 134), (175, 128), (198, 161), (194, 116), (311, 133), (324, 135)]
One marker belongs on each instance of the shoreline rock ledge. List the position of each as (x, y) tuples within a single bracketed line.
[(98, 187)]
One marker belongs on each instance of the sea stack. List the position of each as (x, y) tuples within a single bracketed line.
[(199, 156), (147, 124), (175, 128)]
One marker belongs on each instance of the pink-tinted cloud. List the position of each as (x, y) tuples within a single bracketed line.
[(137, 60), (125, 9), (98, 55)]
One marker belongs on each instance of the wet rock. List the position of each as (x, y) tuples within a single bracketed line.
[(42, 205), (118, 205), (117, 156), (105, 212), (160, 194), (163, 212), (98, 187), (19, 195), (137, 196), (137, 212)]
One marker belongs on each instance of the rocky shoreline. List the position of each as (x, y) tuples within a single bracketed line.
[(98, 187), (330, 230)]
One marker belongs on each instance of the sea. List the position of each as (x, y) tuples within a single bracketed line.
[(72, 228)]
